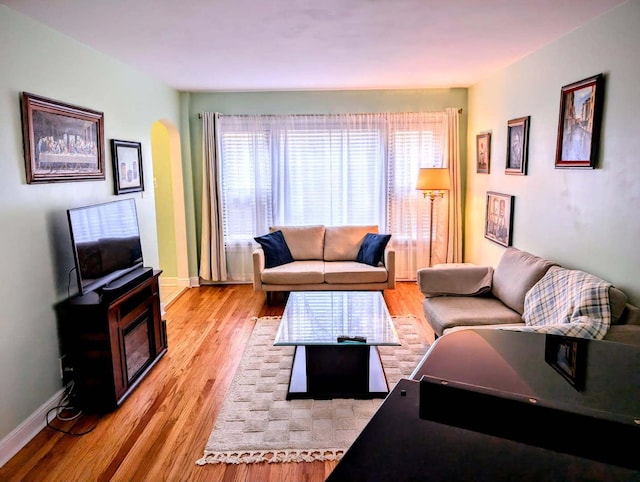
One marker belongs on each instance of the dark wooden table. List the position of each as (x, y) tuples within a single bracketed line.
[(493, 408)]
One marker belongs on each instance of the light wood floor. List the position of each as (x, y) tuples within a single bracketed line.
[(162, 428)]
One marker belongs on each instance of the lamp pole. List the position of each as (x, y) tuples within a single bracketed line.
[(432, 197), (431, 181)]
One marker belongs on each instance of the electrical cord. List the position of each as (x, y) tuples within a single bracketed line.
[(69, 282), (63, 406)]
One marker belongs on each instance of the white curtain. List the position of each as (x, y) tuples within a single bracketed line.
[(453, 241), (416, 140), (322, 169), (213, 266)]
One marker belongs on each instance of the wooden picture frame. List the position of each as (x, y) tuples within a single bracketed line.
[(483, 153), (127, 166), (517, 146), (567, 355), (581, 105), (499, 218), (62, 142)]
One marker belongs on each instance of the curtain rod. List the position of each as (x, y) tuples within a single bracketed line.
[(200, 114)]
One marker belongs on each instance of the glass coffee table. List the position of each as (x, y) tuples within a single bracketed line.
[(336, 334)]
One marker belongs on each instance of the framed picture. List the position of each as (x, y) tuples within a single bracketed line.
[(579, 124), (517, 146), (499, 218), (127, 166), (483, 152), (568, 357), (62, 142)]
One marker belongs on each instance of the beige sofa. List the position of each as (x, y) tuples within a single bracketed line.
[(324, 259), (459, 296)]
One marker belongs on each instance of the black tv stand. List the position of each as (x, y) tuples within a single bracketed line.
[(124, 282)]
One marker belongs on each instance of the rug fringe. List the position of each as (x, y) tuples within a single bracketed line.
[(271, 456)]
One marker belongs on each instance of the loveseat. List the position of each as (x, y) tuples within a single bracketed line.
[(517, 295), (324, 258)]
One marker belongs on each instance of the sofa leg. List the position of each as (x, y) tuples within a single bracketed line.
[(269, 298)]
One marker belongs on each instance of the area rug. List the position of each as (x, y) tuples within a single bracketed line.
[(257, 424)]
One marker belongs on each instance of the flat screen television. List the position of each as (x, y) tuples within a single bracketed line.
[(106, 242)]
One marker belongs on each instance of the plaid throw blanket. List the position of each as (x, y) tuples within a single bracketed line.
[(570, 303)]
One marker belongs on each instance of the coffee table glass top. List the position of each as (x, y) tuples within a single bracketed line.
[(320, 317)]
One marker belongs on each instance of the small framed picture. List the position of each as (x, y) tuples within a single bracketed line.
[(567, 356), (483, 152), (127, 166), (517, 146), (62, 142), (579, 124), (499, 218)]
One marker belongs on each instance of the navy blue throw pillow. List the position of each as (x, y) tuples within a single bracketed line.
[(372, 248), (276, 251)]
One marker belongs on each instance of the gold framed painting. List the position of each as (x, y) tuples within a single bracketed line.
[(62, 142)]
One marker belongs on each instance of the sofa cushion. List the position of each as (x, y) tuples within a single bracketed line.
[(276, 251), (629, 334), (618, 301), (296, 273), (352, 272), (448, 311), (305, 242), (516, 274), (372, 248), (342, 243)]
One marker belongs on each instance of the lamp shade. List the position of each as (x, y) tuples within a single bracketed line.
[(433, 179)]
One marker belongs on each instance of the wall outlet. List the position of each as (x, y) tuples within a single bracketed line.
[(66, 370)]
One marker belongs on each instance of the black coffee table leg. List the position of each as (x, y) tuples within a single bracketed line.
[(327, 371)]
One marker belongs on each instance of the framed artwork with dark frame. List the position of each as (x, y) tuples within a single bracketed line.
[(62, 142), (517, 146), (499, 218), (581, 105), (483, 152), (127, 166), (567, 355)]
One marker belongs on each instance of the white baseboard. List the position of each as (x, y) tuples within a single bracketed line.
[(194, 282), (174, 281), (23, 433)]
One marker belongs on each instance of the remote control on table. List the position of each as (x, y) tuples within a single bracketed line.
[(352, 339)]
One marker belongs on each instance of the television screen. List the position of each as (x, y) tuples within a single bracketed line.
[(106, 242)]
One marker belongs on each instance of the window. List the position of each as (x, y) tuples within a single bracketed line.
[(326, 169)]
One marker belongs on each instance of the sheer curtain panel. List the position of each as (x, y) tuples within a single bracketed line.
[(334, 169)]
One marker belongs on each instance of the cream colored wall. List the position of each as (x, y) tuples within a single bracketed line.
[(583, 219), (35, 245)]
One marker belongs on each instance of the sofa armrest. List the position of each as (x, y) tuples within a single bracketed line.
[(631, 315), (455, 280), (258, 266), (390, 264)]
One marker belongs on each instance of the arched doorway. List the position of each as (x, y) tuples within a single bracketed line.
[(170, 210)]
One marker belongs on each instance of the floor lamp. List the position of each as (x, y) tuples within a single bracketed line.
[(433, 181)]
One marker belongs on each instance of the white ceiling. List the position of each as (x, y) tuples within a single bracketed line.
[(203, 45)]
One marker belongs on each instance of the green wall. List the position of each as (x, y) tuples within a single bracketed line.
[(582, 219), (315, 102), (37, 256)]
